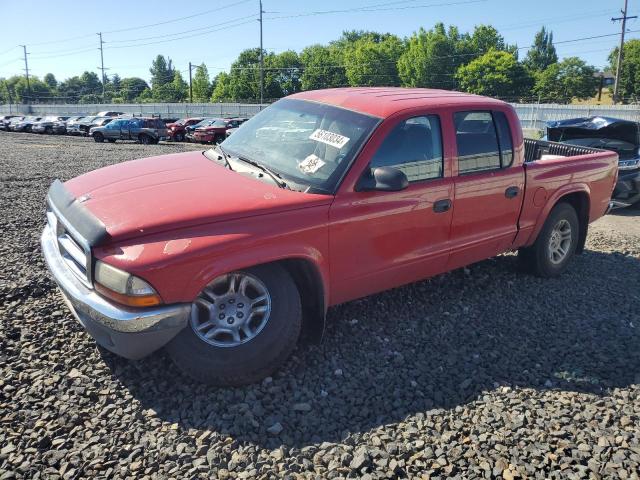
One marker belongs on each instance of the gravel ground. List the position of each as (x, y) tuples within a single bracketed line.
[(481, 373)]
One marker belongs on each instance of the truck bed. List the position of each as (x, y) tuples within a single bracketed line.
[(553, 170)]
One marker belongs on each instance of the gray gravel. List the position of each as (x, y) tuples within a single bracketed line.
[(481, 373)]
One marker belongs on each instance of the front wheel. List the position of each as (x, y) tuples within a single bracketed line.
[(549, 256), (243, 326), (98, 137)]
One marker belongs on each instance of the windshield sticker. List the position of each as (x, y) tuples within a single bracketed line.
[(334, 139), (311, 164)]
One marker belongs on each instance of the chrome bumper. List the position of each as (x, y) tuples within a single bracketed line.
[(130, 333)]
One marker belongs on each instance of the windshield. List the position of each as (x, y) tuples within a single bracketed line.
[(309, 143), (219, 123), (206, 122)]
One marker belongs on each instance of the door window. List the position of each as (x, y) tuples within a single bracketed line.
[(477, 142), (415, 147)]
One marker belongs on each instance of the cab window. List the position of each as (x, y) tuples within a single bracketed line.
[(477, 142), (414, 146)]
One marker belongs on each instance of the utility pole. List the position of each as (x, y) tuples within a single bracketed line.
[(190, 86), (26, 69), (102, 69), (624, 19), (261, 59)]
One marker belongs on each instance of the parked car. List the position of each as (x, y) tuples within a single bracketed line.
[(216, 132), (225, 256), (190, 130), (61, 126), (24, 125), (109, 114), (144, 130), (5, 120), (50, 124), (620, 136), (177, 130), (80, 126), (167, 121)]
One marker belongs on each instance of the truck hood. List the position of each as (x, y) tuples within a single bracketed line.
[(169, 192)]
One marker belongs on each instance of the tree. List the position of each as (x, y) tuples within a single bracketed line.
[(161, 71), (286, 70), (201, 84), (483, 39), (51, 81), (495, 74), (561, 82), (629, 81), (131, 88), (323, 67), (17, 85), (543, 53), (373, 63), (430, 59), (222, 90)]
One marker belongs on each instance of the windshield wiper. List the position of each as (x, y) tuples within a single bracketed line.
[(225, 157), (276, 177)]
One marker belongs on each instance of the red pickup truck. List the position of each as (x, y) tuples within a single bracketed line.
[(228, 256)]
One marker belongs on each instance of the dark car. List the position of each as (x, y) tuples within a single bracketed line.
[(50, 124), (24, 125), (5, 120), (216, 132), (620, 136), (178, 129), (144, 130), (84, 124)]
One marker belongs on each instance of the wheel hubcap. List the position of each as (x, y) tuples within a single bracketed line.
[(231, 311), (559, 242)]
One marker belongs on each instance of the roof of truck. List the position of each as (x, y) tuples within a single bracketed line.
[(385, 101)]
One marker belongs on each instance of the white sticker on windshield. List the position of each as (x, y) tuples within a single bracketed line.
[(330, 138), (311, 164)]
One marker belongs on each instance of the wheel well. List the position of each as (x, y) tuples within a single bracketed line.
[(311, 288), (580, 202)]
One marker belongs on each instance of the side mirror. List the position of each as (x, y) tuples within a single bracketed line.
[(384, 179)]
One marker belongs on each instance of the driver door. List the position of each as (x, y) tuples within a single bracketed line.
[(381, 239)]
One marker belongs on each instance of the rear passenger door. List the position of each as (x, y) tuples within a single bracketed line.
[(488, 187)]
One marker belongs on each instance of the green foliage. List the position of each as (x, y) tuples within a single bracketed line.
[(286, 70), (131, 88), (564, 81), (323, 67), (222, 90), (51, 81), (430, 58), (629, 82), (73, 89), (372, 61), (543, 53), (201, 84), (161, 71), (495, 74)]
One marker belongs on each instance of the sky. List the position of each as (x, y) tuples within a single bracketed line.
[(61, 35)]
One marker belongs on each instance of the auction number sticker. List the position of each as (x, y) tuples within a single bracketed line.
[(334, 139), (311, 164)]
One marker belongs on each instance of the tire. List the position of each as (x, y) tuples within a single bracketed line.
[(111, 140), (260, 355), (179, 137), (544, 257), (48, 130), (98, 137), (218, 139), (144, 139)]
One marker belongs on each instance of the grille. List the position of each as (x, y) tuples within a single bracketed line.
[(76, 257)]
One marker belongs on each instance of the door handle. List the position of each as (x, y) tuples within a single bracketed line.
[(511, 192), (441, 206)]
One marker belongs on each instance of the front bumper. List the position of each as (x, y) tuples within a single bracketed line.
[(627, 189), (130, 333)]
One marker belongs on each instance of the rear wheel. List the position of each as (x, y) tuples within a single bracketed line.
[(48, 130), (98, 137), (243, 326), (549, 256), (144, 139), (179, 137)]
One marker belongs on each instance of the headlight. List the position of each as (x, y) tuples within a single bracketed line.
[(629, 164), (123, 287)]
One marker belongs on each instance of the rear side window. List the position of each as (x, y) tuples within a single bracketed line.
[(415, 147), (504, 137), (477, 142)]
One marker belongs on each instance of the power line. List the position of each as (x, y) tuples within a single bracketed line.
[(624, 19)]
